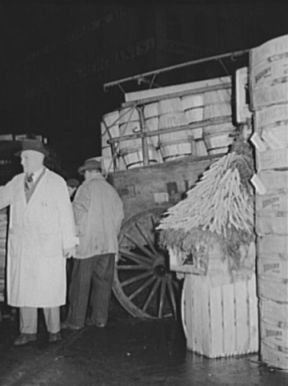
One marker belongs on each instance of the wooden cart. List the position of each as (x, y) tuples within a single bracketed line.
[(144, 284)]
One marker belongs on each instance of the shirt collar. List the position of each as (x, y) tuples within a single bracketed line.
[(37, 174)]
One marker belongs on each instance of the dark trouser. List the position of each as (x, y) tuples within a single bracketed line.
[(96, 274)]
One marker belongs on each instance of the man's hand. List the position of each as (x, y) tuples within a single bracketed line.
[(69, 252)]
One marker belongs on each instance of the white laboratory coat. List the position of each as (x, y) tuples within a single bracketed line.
[(38, 233)]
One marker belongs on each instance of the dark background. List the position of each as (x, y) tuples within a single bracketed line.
[(56, 57)]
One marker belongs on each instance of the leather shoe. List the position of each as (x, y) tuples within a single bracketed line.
[(23, 339), (54, 337), (90, 322), (70, 326)]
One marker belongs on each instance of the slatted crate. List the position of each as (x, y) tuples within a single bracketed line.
[(220, 321)]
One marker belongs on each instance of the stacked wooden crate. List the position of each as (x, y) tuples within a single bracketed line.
[(269, 92), (221, 320), (210, 239), (174, 121)]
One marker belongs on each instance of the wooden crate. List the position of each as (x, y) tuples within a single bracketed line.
[(274, 333), (220, 321)]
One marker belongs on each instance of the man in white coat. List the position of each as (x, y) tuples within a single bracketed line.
[(41, 235)]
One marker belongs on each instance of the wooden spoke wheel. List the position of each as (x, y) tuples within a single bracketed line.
[(143, 284)]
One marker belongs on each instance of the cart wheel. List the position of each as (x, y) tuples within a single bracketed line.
[(143, 284)]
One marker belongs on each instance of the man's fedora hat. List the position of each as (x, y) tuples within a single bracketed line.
[(32, 144), (90, 164)]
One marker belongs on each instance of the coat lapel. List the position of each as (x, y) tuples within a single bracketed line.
[(35, 187)]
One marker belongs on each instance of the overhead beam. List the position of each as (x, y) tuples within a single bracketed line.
[(139, 77)]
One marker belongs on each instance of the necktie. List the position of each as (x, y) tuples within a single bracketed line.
[(28, 182)]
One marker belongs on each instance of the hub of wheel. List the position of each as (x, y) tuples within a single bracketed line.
[(160, 270)]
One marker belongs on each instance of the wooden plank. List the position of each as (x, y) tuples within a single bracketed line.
[(210, 122), (206, 315), (253, 315), (217, 331), (199, 327), (146, 96), (229, 319), (242, 331), (187, 312)]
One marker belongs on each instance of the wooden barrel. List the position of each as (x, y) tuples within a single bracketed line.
[(192, 101), (218, 138), (133, 156), (175, 145), (178, 143), (170, 105), (194, 114)]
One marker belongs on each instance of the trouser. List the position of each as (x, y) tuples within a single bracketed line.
[(28, 319), (93, 274)]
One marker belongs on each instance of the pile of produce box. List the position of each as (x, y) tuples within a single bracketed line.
[(269, 95)]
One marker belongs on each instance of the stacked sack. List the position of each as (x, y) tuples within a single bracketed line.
[(269, 97)]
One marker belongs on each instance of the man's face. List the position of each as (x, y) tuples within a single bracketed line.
[(88, 174), (31, 161)]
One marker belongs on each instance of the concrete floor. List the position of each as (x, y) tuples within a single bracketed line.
[(127, 352)]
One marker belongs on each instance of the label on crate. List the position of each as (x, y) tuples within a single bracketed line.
[(274, 335), (270, 73), (271, 203), (160, 197), (272, 267), (269, 51)]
